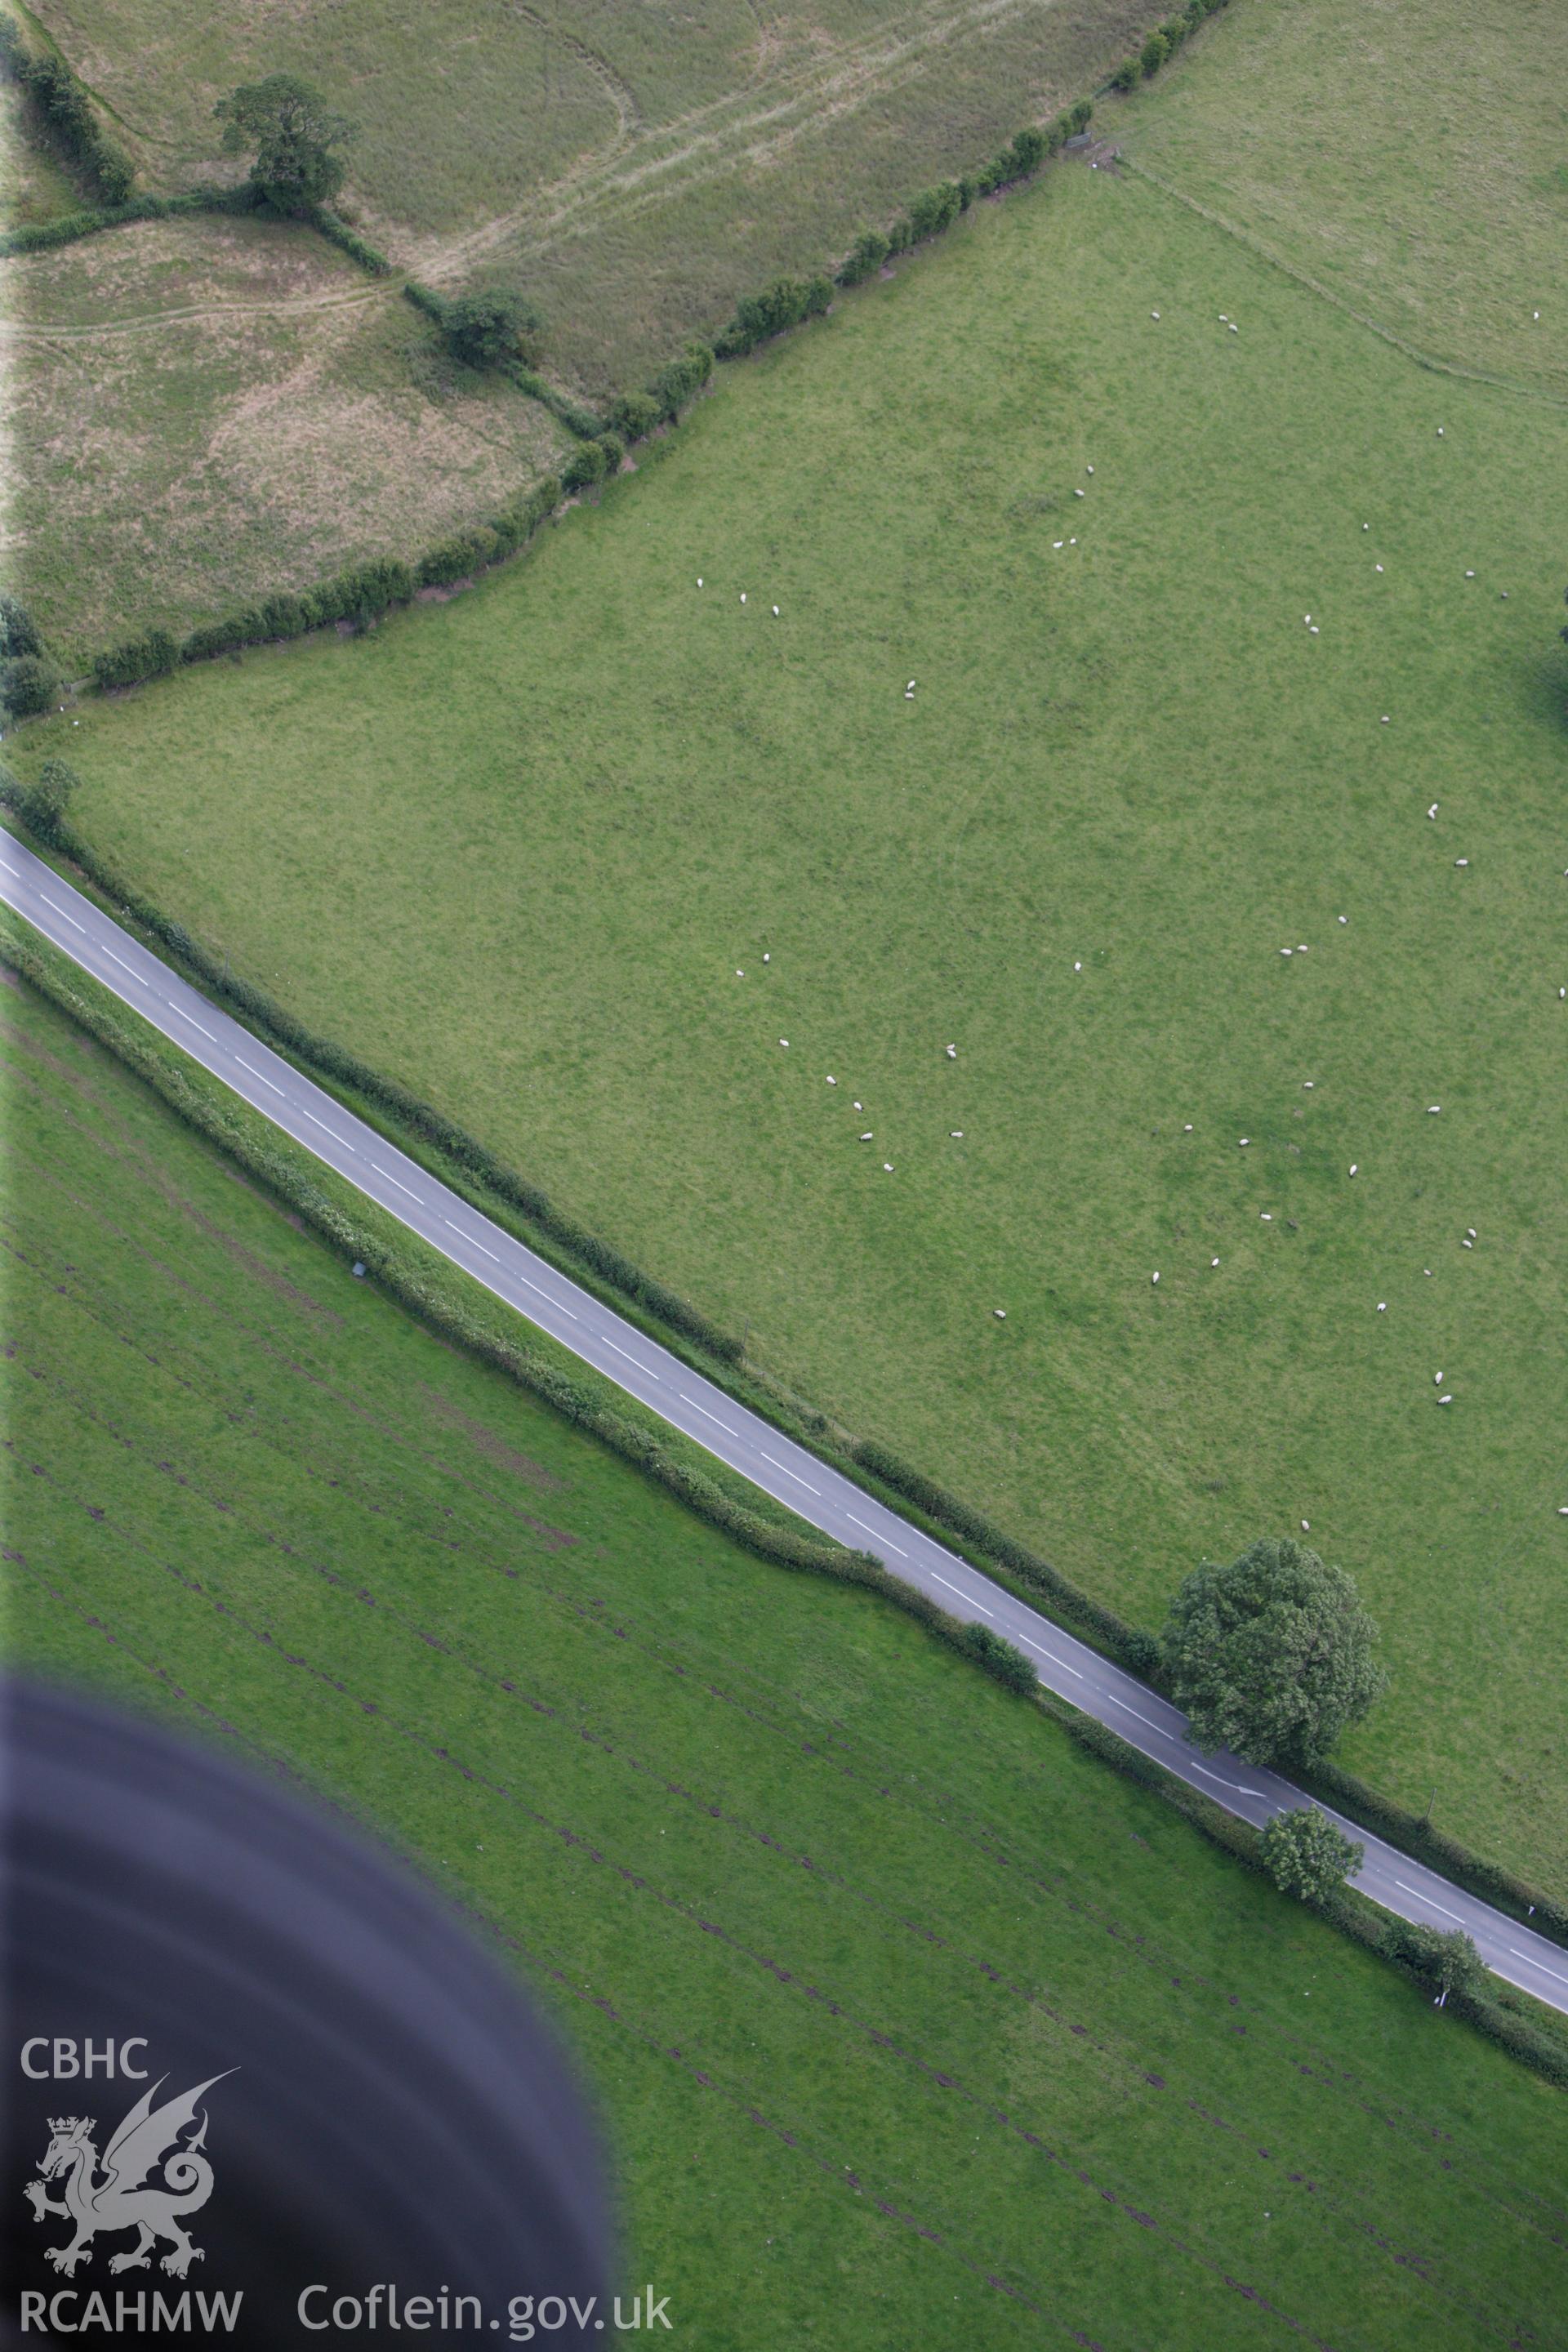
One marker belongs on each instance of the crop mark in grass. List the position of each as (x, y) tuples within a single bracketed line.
[(532, 1701), (622, 97), (494, 1449), (1326, 294), (1187, 1978), (212, 1380), (589, 1848), (621, 1758), (14, 329), (750, 127)]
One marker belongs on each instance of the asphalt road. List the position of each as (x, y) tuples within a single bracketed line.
[(818, 1493)]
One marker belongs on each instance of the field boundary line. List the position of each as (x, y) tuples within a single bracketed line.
[(956, 1526), (1358, 1912), (1326, 293)]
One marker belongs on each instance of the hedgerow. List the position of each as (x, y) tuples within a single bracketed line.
[(69, 110), (1415, 1835), (390, 1268), (778, 307), (336, 231), (1163, 43), (1498, 2015), (935, 209), (473, 1159), (152, 654), (1137, 1651), (90, 221), (358, 596)]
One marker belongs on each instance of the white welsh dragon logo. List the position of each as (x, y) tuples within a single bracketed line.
[(148, 2139)]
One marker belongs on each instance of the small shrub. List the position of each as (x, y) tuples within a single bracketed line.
[(1027, 151), (679, 383), (1152, 54), (615, 450), (214, 638), (1000, 1658), (1449, 1960), (490, 329), (585, 466), (635, 415), (937, 208), (1306, 1855), (863, 257), (1126, 75), (284, 615), (518, 522), (114, 172), (28, 684), (18, 630), (42, 805)]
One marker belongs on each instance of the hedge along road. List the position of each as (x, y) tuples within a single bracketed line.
[(792, 1476)]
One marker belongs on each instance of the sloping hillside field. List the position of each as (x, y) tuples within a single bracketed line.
[(910, 2023), (633, 167), (521, 851)]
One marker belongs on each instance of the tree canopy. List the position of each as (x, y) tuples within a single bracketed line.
[(1272, 1656), (1306, 1855), (294, 134), (485, 329), (1446, 1957)]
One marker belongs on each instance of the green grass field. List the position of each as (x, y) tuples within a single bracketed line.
[(1411, 156), (205, 410), (518, 850), (910, 2023)]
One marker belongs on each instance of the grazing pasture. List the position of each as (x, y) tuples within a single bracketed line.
[(519, 851), (908, 2021), (1409, 155)]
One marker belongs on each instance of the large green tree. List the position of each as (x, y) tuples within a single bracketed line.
[(295, 136), (1272, 1656), (1306, 1855)]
